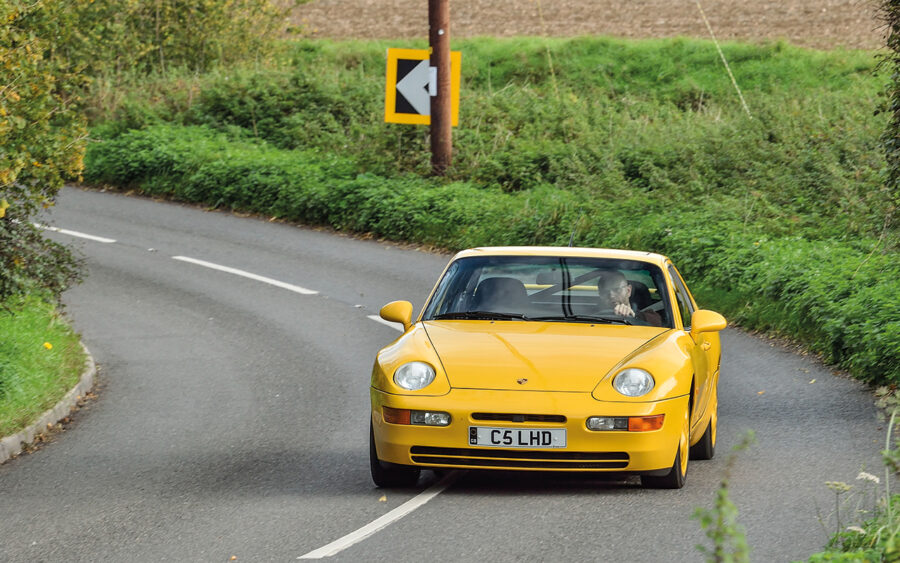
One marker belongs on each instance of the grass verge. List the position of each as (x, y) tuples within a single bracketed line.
[(41, 358)]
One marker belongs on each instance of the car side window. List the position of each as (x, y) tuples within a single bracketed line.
[(682, 298)]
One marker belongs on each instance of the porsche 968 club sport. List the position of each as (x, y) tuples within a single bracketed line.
[(548, 359)]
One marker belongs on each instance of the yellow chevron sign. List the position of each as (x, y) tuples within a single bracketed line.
[(410, 83)]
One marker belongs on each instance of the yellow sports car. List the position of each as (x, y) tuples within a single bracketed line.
[(548, 359)]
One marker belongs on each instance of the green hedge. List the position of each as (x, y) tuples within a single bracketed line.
[(841, 297)]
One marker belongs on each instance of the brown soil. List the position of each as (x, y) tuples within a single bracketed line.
[(823, 24)]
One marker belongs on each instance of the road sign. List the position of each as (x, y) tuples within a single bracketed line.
[(410, 84)]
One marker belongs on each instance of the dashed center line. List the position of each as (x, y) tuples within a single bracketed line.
[(219, 267), (248, 275), (75, 234)]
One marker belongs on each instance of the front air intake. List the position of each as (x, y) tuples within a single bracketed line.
[(525, 459), (508, 417)]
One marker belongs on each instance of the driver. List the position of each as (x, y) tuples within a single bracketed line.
[(615, 295)]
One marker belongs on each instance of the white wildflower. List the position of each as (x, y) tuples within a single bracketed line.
[(863, 476)]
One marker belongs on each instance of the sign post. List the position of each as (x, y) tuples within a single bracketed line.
[(423, 86), (441, 115)]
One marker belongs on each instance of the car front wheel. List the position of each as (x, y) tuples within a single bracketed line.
[(389, 475)]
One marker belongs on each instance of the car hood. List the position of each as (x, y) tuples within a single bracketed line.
[(533, 356)]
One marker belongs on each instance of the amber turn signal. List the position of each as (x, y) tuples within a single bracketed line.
[(395, 416), (645, 423)]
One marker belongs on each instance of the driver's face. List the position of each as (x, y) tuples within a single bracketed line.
[(615, 292)]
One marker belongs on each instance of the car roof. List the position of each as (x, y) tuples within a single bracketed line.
[(651, 257)]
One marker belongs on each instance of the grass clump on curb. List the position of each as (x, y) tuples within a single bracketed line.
[(41, 359)]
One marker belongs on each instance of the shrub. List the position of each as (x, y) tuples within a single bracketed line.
[(41, 143)]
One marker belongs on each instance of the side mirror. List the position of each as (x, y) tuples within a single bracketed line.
[(706, 321), (398, 312)]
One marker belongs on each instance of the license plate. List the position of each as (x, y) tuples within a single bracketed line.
[(517, 437)]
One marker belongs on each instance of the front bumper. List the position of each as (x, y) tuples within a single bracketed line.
[(586, 450)]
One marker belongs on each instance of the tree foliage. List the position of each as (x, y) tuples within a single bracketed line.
[(42, 141), (50, 51), (156, 35), (42, 133)]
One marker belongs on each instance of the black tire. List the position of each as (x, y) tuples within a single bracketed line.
[(674, 479), (706, 447), (389, 475)]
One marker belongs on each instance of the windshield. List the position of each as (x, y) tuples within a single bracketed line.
[(547, 288)]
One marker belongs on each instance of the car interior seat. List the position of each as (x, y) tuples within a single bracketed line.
[(548, 278), (500, 294), (640, 294)]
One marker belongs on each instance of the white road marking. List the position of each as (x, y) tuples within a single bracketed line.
[(235, 271), (75, 234), (242, 273), (377, 319), (352, 538)]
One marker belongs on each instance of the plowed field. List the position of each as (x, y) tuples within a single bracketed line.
[(823, 24)]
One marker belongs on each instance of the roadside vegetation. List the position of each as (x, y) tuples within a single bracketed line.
[(873, 533)]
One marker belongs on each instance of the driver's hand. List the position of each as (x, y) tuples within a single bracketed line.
[(624, 310)]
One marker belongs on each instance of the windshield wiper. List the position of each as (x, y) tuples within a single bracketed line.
[(482, 315), (586, 319)]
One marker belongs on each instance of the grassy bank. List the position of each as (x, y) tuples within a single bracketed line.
[(613, 120), (780, 220), (40, 360)]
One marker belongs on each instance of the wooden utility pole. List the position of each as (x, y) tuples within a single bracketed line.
[(441, 117)]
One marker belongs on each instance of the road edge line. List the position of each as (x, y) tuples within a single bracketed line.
[(12, 446)]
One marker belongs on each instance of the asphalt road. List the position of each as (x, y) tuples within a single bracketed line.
[(232, 419)]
